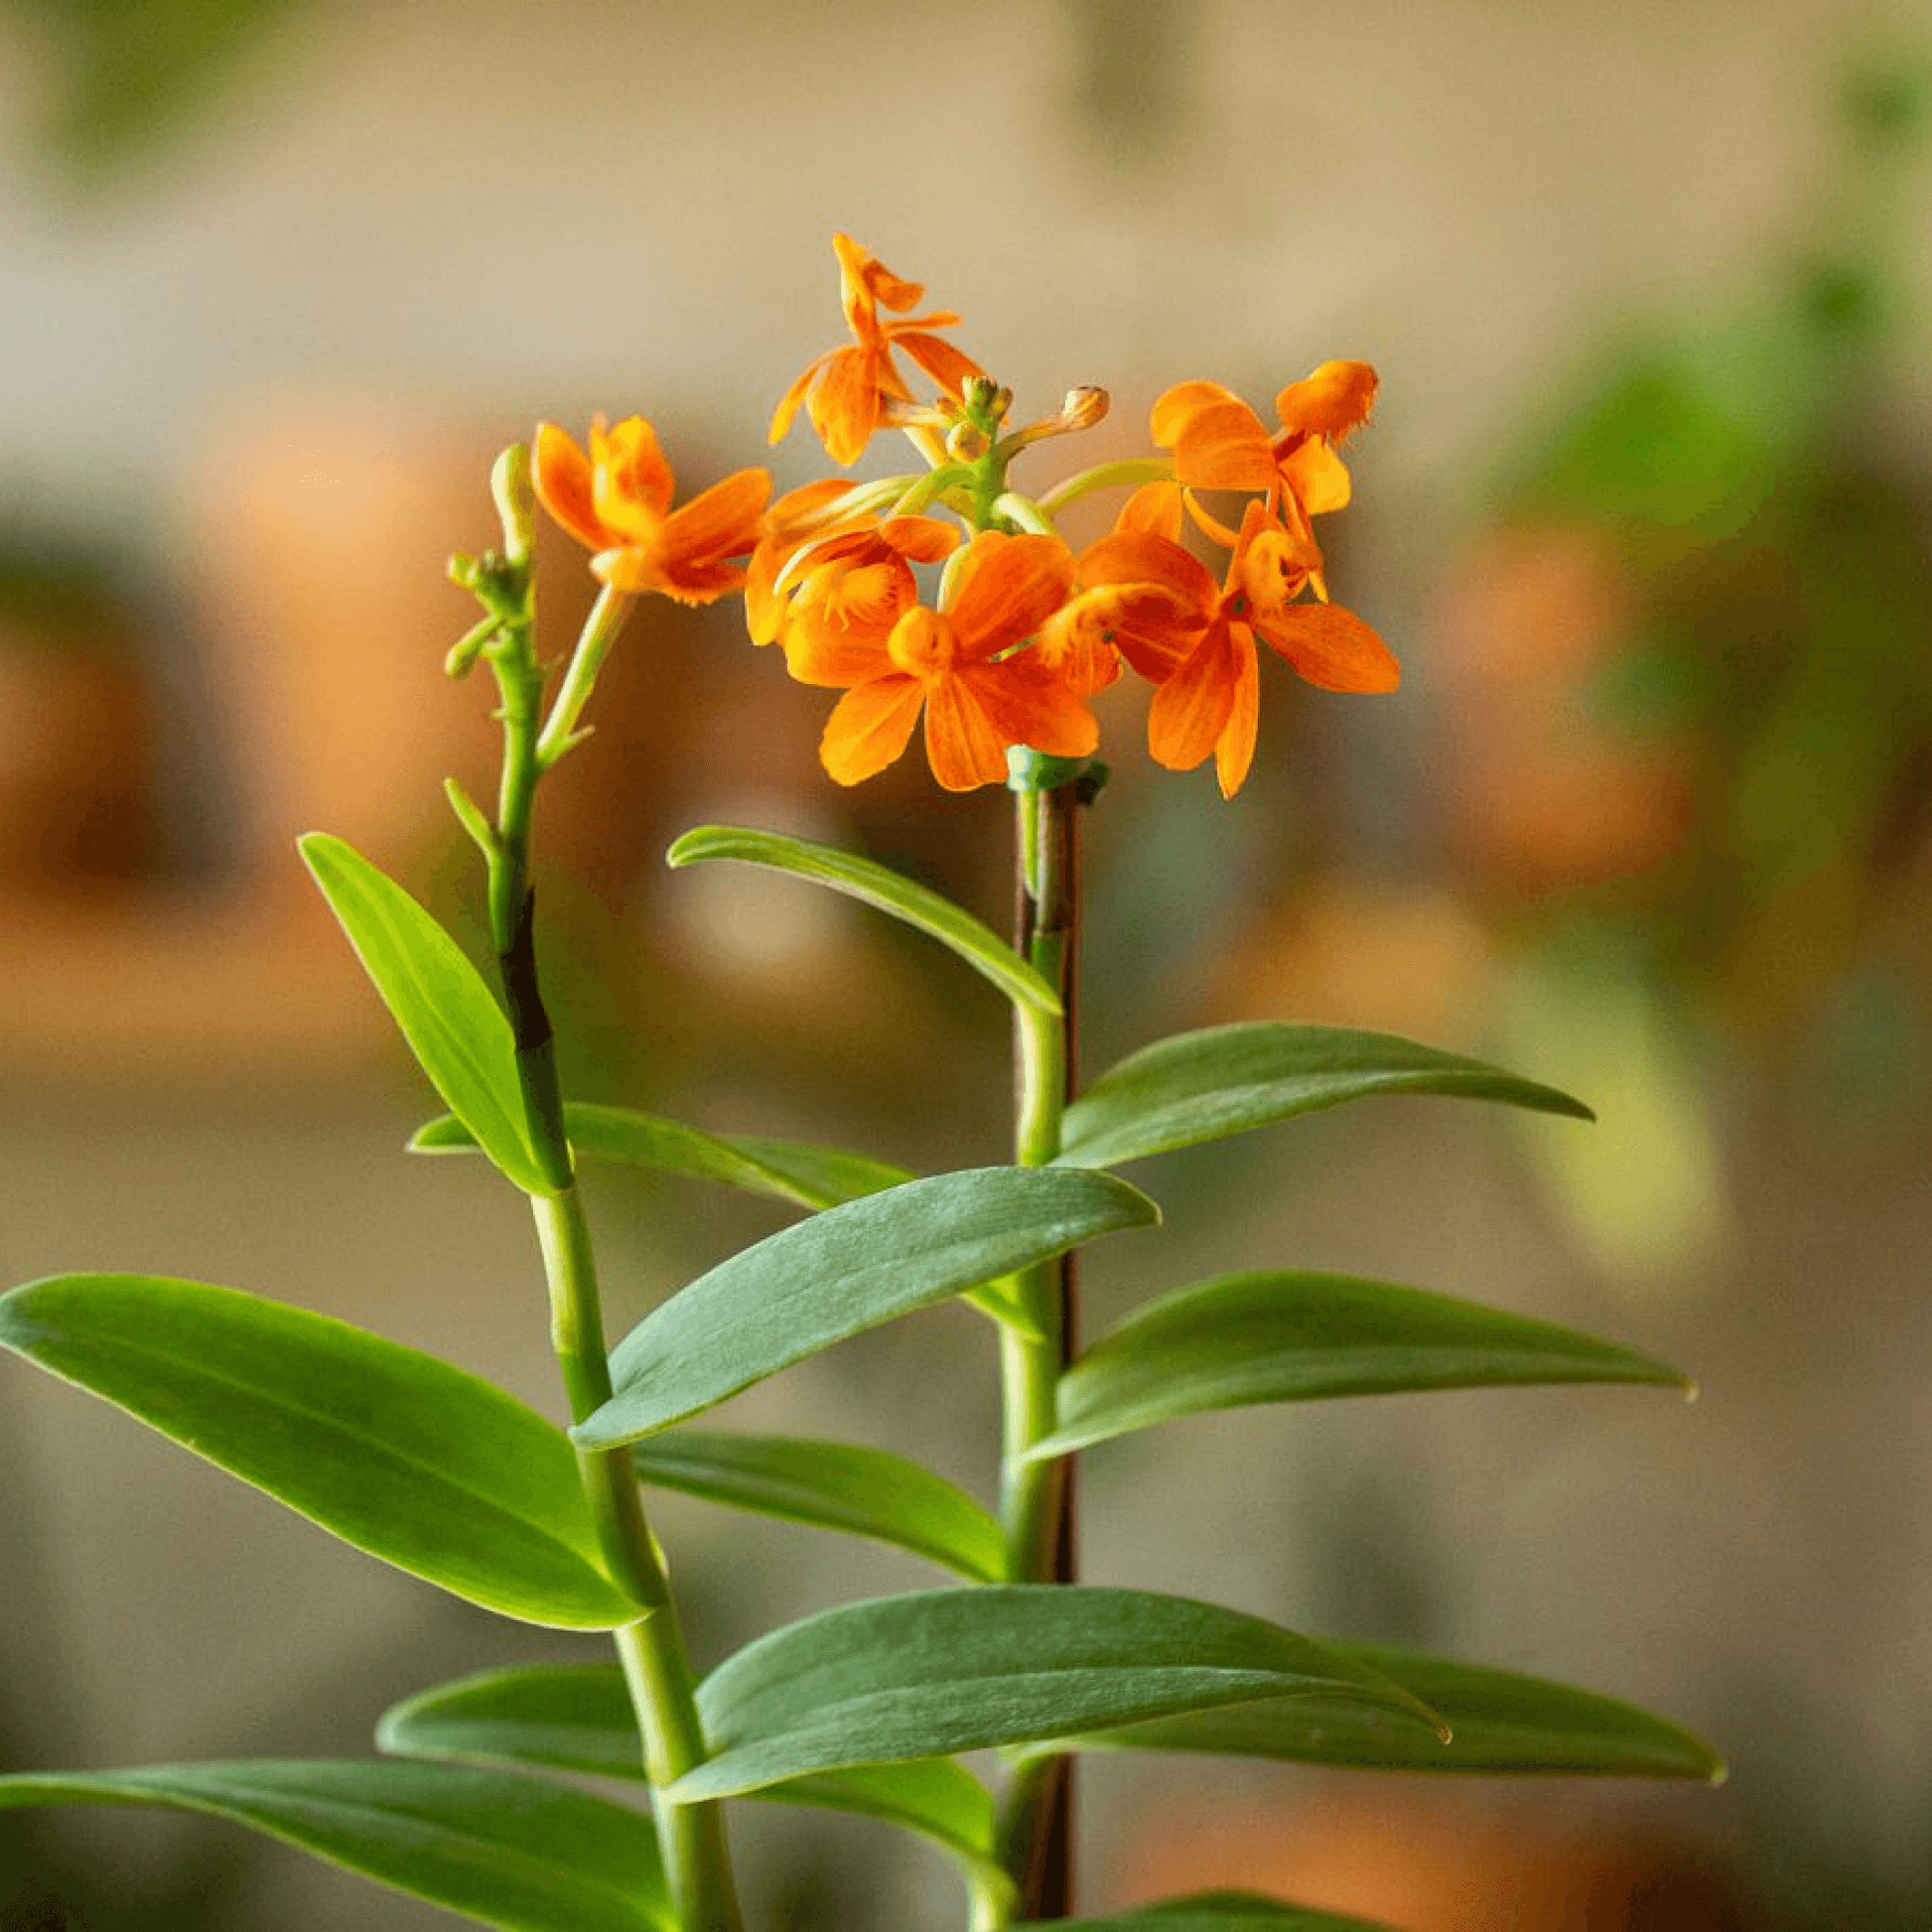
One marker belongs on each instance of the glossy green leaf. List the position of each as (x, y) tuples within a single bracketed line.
[(452, 1023), (878, 886), (1292, 1337), (832, 1486), (510, 1851), (787, 1171), (848, 1268), (394, 1452), (1204, 1087), (1224, 1911), (936, 1671), (1499, 1721), (581, 1719)]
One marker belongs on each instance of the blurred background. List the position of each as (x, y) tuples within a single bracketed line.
[(1647, 515)]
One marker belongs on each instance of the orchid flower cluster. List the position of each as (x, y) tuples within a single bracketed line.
[(946, 595), (1022, 630)]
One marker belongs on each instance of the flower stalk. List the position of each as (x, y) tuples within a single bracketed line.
[(656, 1667), (1037, 1497)]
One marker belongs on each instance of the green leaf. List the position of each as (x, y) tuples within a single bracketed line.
[(936, 1671), (581, 1719), (1290, 1337), (1204, 1087), (394, 1452), (568, 1717), (1224, 1911), (832, 1486), (933, 1798), (1499, 1721), (848, 1268), (862, 879), (506, 1851), (787, 1171), (452, 1023)]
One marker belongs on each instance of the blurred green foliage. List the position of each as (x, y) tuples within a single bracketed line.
[(1776, 540), (129, 74)]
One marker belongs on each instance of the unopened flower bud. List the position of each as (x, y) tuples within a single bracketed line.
[(967, 441), (1083, 406), (510, 486)]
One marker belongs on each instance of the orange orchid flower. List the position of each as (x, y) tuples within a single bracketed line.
[(800, 516), (1219, 443), (617, 502), (1137, 596), (849, 582), (849, 390), (1208, 700), (962, 666)]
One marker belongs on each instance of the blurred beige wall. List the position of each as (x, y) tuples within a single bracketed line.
[(522, 209)]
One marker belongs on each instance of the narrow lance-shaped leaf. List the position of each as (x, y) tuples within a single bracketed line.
[(846, 1270), (936, 1671), (510, 1852), (1500, 1721), (453, 1024), (1223, 1081), (787, 1171), (878, 886), (1292, 1337), (580, 1718), (832, 1486), (394, 1452)]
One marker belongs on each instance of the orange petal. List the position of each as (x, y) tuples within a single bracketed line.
[(764, 608), (948, 367), (963, 744), (789, 403), (844, 402), (722, 521), (1191, 709), (825, 655), (1333, 648), (1174, 406), (1234, 750), (630, 482), (561, 474), (1317, 476), (1028, 705), (869, 726), (803, 509), (1224, 447), (1008, 588), (699, 580), (922, 539), (1155, 508), (1332, 401), (1138, 557), (864, 276)]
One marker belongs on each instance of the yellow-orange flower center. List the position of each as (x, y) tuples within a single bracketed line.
[(923, 645)]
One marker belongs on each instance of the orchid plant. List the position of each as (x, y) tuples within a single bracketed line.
[(945, 595)]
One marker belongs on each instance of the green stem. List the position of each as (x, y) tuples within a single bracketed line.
[(580, 679), (1037, 1498), (1129, 472), (656, 1666)]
